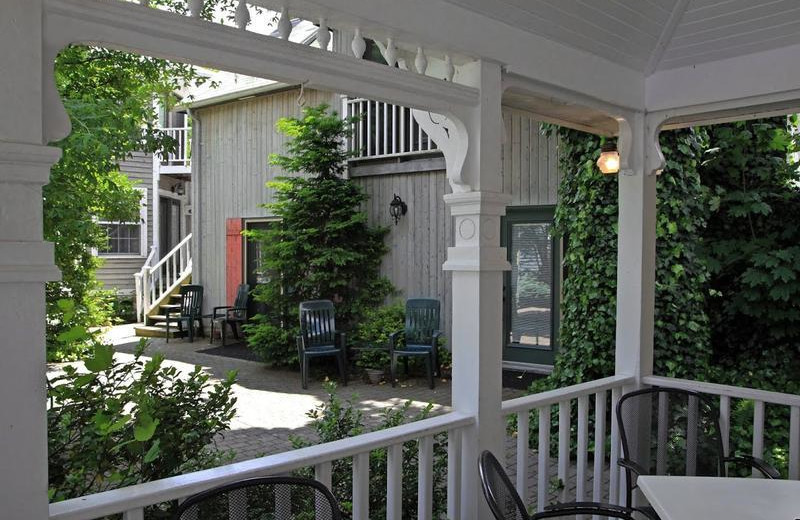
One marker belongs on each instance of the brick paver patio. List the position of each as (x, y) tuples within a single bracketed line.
[(271, 403)]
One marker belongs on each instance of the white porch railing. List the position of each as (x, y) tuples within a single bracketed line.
[(132, 500), (592, 401), (760, 400), (178, 161), (155, 282), (385, 131)]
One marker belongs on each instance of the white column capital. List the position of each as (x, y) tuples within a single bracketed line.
[(22, 163), (477, 203), (638, 144)]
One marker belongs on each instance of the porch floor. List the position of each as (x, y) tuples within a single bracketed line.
[(271, 403)]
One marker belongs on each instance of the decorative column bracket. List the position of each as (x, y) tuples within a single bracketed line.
[(647, 157)]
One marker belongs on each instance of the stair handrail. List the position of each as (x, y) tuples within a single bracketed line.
[(141, 281), (163, 277)]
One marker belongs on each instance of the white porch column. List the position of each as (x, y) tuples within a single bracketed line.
[(477, 262), (641, 160), (26, 262)]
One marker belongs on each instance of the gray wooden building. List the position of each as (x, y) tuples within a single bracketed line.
[(233, 136)]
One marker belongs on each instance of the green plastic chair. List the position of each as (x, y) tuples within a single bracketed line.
[(420, 337), (319, 338), (233, 316), (189, 312)]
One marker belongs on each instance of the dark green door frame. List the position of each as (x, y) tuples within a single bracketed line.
[(519, 351)]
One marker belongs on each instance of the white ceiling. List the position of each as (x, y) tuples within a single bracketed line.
[(651, 35)]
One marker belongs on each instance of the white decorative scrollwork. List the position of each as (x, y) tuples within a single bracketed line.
[(242, 15), (323, 34), (285, 24), (358, 45), (449, 68), (421, 61)]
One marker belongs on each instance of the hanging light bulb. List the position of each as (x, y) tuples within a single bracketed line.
[(609, 159)]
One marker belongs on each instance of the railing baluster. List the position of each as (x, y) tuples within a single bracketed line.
[(725, 422), (361, 486), (425, 479), (133, 514), (794, 443), (454, 474), (614, 470), (394, 128), (394, 482), (403, 113), (369, 128), (583, 446), (523, 437), (663, 423), (758, 431), (564, 408), (544, 457), (599, 445), (323, 472), (691, 437), (385, 128)]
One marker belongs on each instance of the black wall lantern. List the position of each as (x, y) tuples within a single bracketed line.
[(397, 208)]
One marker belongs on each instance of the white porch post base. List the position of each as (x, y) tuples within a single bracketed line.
[(477, 263)]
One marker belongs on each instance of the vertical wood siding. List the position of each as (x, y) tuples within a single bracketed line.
[(238, 137), (117, 273)]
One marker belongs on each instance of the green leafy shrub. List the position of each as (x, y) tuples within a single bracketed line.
[(337, 419), (117, 423), (323, 247)]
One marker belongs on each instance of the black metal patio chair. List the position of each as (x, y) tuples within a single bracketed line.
[(666, 431), (267, 498), (506, 504), (233, 316), (419, 337), (190, 311), (319, 338)]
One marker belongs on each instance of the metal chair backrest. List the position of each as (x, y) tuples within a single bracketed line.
[(503, 499), (679, 428), (318, 323), (284, 498), (422, 320), (242, 295), (191, 300)]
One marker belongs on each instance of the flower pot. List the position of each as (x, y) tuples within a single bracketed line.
[(374, 375)]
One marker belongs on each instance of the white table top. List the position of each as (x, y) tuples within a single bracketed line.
[(711, 498)]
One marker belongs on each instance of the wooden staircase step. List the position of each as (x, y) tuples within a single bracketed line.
[(170, 306), (154, 331)]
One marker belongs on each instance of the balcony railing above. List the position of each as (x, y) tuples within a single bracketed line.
[(385, 131), (178, 161)]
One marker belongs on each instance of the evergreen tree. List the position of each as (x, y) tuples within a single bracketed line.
[(323, 247)]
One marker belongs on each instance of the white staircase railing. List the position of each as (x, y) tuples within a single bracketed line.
[(154, 282), (138, 287)]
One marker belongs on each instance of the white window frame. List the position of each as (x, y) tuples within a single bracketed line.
[(143, 245)]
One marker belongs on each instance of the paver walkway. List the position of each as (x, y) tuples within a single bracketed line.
[(271, 403)]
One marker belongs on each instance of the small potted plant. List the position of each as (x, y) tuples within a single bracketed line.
[(372, 337), (374, 362), (445, 358)]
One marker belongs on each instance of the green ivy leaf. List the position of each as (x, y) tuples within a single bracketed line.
[(145, 427)]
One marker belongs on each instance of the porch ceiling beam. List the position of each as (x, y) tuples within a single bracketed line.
[(736, 86), (152, 32)]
